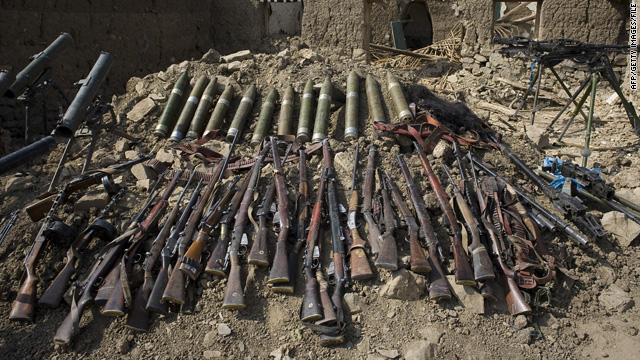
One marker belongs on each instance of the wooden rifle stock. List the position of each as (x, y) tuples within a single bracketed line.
[(280, 269), (24, 306), (464, 274), (360, 268), (367, 190), (438, 286), (259, 254), (217, 262), (388, 256)]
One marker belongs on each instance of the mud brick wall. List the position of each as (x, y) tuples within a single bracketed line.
[(238, 25), (144, 35), (334, 24)]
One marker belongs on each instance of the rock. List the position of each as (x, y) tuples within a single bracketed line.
[(234, 66), (210, 339), (452, 78), (130, 154), (122, 145), (141, 109), (141, 88), (144, 184), (615, 299), (403, 286), (19, 183), (419, 350), (359, 55), (344, 161), (281, 353), (375, 357), (165, 156), (284, 53), (468, 296), (520, 322), (95, 199), (627, 179), (220, 147), (142, 172), (354, 303), (431, 333), (628, 194), (622, 228), (479, 58), (389, 354), (525, 335), (123, 346), (309, 57), (157, 97), (211, 57), (239, 56), (224, 330), (443, 151), (538, 136), (606, 274), (212, 354)]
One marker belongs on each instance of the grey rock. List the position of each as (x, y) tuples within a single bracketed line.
[(212, 354), (344, 161), (403, 286), (211, 57), (165, 156), (479, 58), (209, 339), (123, 346), (389, 354), (520, 322), (359, 55), (234, 66), (239, 56), (142, 172), (622, 228), (538, 136), (130, 154), (468, 296), (122, 145), (224, 330), (606, 274), (419, 350), (615, 299), (354, 303), (431, 333), (144, 184), (141, 109), (96, 199), (443, 151)]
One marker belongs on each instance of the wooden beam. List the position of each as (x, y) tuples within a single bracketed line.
[(401, 52)]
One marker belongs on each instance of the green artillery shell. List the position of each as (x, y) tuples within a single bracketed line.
[(323, 112), (243, 112), (374, 99), (286, 110), (189, 109), (199, 118), (220, 110), (264, 121), (404, 114), (173, 106), (351, 112), (306, 111)]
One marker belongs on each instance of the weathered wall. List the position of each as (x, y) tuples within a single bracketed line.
[(334, 24), (237, 25), (144, 35)]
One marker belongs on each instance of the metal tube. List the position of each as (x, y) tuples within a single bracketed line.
[(6, 79), (286, 110), (173, 106), (220, 110), (243, 112), (264, 120), (189, 109), (323, 112), (199, 118), (306, 111), (395, 89), (587, 139), (27, 153), (353, 102), (374, 99)]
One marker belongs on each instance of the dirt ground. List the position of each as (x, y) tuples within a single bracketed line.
[(578, 324)]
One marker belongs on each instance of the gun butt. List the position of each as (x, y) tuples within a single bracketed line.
[(280, 269), (388, 256), (360, 268), (438, 286), (234, 296), (109, 283), (155, 303), (488, 290), (65, 332), (464, 274), (310, 309), (115, 306), (174, 292), (215, 265), (418, 262), (331, 340), (190, 298), (289, 287), (53, 295), (25, 305), (515, 301), (482, 265), (259, 254), (138, 319), (191, 265), (39, 209), (328, 312)]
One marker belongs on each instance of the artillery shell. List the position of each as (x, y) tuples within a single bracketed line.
[(264, 120), (286, 110), (306, 111), (173, 106), (199, 118), (402, 109), (323, 112), (189, 109), (243, 112), (220, 110), (351, 112), (374, 99)]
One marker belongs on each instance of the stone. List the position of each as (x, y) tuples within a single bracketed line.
[(622, 228), (281, 353), (354, 302), (19, 183), (122, 145), (141, 109), (452, 78), (224, 330), (431, 333), (627, 179), (389, 354), (403, 286), (220, 147), (628, 194), (157, 97), (142, 172), (165, 155), (344, 161), (211, 57), (239, 56), (284, 53), (469, 297), (479, 58), (309, 57), (234, 66), (520, 322), (130, 154), (419, 350), (123, 346), (375, 357), (615, 299), (538, 136), (606, 274), (359, 55), (525, 335), (212, 354), (144, 184), (210, 339), (141, 88), (443, 151), (95, 199)]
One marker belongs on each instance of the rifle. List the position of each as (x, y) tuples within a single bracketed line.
[(311, 308), (7, 227), (121, 293), (38, 209), (259, 254), (24, 306), (418, 262), (138, 319), (360, 268), (99, 228), (464, 275), (302, 209), (438, 286), (372, 228), (81, 293), (280, 269), (234, 295), (388, 256), (482, 267), (155, 303)]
